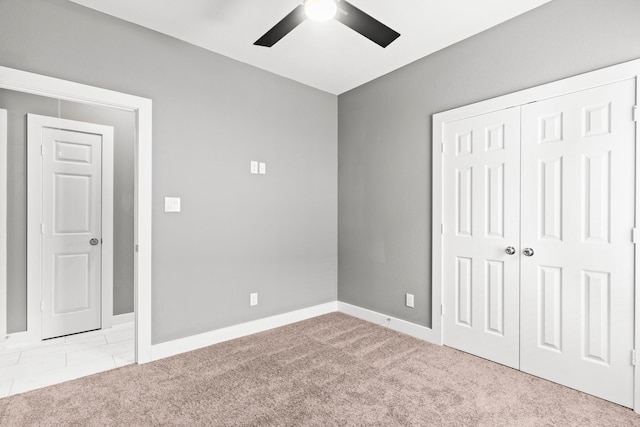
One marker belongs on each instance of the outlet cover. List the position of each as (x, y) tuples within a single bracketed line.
[(253, 299), (409, 300)]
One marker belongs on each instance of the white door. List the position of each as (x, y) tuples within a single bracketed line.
[(71, 202), (71, 262), (481, 221), (578, 195)]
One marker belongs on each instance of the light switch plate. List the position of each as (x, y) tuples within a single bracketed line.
[(409, 300), (263, 168), (172, 204), (254, 167)]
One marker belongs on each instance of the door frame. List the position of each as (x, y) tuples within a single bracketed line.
[(35, 125), (3, 223), (23, 81), (613, 74)]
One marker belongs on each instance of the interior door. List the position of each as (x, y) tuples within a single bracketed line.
[(71, 240), (577, 286), (481, 158)]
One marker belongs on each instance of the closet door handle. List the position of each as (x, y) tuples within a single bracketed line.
[(510, 250), (528, 252)]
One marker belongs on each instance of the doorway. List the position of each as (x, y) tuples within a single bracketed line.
[(64, 90)]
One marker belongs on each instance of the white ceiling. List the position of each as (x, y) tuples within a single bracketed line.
[(326, 55)]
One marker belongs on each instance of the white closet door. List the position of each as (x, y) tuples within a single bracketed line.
[(481, 203), (71, 247), (577, 217)]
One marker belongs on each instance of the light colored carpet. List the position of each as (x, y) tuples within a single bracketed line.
[(326, 371)]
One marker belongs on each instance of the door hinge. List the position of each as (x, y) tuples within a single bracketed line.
[(441, 228), (634, 235), (635, 113), (442, 147), (42, 228), (633, 357), (42, 150), (41, 305), (136, 248), (441, 309)]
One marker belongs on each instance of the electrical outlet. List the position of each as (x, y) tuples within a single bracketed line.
[(253, 299), (409, 300)]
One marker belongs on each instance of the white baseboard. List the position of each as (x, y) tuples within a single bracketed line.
[(119, 319), (182, 345), (194, 342), (20, 339), (26, 338), (417, 331)]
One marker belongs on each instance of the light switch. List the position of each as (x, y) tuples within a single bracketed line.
[(409, 300), (254, 167), (172, 204), (263, 168)]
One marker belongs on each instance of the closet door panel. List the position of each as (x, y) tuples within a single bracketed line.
[(577, 288), (481, 219)]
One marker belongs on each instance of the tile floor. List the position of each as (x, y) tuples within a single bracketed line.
[(62, 359)]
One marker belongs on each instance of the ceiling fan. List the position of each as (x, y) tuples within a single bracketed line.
[(324, 10)]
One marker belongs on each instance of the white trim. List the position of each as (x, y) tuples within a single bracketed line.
[(194, 342), (35, 124), (592, 79), (107, 226), (18, 339), (613, 74), (142, 231), (23, 81), (408, 328), (121, 319), (3, 224), (34, 240), (636, 379), (437, 228)]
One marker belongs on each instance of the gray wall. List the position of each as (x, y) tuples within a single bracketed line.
[(385, 136), (237, 233), (18, 105)]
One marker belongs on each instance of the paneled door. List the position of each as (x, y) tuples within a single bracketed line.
[(72, 232), (577, 263), (481, 158), (71, 224)]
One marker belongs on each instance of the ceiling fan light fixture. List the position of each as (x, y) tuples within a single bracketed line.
[(320, 10)]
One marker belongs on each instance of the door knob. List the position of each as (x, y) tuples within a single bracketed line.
[(528, 252), (510, 250), (93, 242)]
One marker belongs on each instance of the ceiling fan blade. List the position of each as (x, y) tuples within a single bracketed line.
[(364, 24), (282, 28)]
